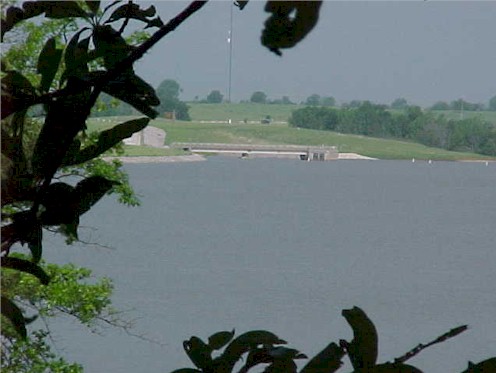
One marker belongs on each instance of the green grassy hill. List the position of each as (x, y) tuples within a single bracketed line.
[(240, 112), (489, 116), (281, 113), (283, 134)]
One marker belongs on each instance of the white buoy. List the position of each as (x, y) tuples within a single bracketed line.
[(487, 163), (430, 161), (413, 160)]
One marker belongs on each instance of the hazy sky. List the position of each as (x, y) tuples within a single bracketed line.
[(424, 51)]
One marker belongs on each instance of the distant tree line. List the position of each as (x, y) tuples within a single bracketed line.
[(412, 123), (168, 93)]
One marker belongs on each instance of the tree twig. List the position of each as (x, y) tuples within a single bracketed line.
[(128, 17), (140, 51), (416, 350)]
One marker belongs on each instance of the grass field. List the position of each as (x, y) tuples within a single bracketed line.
[(280, 113), (489, 116), (240, 112), (283, 134)]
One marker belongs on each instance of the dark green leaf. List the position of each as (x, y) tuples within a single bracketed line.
[(48, 64), (257, 356), (13, 16), (65, 118), (485, 366), (69, 230), (394, 368), (35, 243), (60, 203), (244, 343), (76, 56), (134, 91), (111, 46), (33, 8), (25, 228), (218, 340), (326, 361), (90, 190), (106, 140), (281, 366), (362, 350), (289, 23), (241, 4), (111, 5), (14, 315), (72, 154), (150, 12), (280, 358), (155, 22), (93, 5), (133, 11), (199, 353), (26, 266), (64, 9), (17, 93)]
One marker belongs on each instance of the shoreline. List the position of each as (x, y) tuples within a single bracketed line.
[(159, 159), (200, 158)]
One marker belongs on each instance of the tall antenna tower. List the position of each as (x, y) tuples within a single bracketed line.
[(230, 41)]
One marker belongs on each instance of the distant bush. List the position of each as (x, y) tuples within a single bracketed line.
[(473, 134)]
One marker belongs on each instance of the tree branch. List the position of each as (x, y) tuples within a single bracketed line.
[(140, 51), (416, 350)]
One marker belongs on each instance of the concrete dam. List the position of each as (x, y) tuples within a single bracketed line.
[(303, 152)]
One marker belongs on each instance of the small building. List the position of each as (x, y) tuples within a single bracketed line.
[(328, 153)]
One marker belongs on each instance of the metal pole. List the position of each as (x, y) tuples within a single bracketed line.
[(230, 41)]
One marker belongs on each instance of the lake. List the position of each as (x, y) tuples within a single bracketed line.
[(285, 245)]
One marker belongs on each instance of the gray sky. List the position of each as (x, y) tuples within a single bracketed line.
[(424, 51)]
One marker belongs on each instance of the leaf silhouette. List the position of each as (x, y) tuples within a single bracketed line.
[(133, 11), (90, 190), (106, 140), (60, 204), (280, 358), (63, 9), (13, 15), (394, 368), (111, 46), (362, 350), (218, 340), (133, 90), (241, 4), (27, 267), (35, 242), (14, 315), (25, 228), (326, 361), (33, 8), (289, 23), (48, 64), (93, 5), (485, 366), (66, 117), (199, 353), (17, 93), (244, 343), (76, 56)]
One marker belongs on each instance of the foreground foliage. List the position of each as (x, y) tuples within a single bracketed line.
[(71, 292), (260, 347), (70, 75)]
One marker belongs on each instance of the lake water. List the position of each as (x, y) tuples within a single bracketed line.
[(285, 245)]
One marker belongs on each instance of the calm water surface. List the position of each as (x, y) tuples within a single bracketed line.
[(285, 246)]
